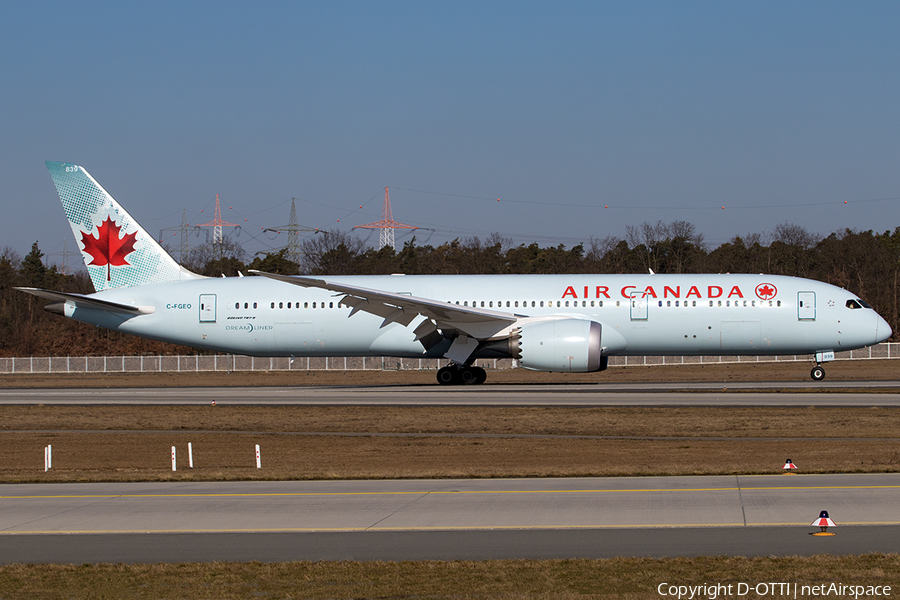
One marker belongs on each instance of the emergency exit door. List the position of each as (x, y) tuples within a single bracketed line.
[(207, 308), (639, 307), (806, 306)]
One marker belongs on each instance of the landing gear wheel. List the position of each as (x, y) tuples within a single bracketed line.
[(481, 375), (468, 375), (448, 376), (818, 373)]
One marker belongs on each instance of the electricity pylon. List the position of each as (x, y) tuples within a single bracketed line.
[(387, 224)]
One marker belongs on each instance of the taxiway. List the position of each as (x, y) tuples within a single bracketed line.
[(447, 519), (631, 394)]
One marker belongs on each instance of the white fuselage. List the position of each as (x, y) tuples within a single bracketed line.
[(640, 314)]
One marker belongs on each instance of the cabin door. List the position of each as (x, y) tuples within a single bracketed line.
[(207, 308), (806, 306), (639, 307)]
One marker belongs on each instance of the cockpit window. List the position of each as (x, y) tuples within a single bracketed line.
[(854, 304), (864, 303)]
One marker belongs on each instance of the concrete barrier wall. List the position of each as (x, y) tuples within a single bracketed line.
[(228, 362)]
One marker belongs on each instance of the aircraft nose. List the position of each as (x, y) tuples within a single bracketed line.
[(883, 330)]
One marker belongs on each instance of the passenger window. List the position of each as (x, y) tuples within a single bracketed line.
[(237, 304), (289, 304)]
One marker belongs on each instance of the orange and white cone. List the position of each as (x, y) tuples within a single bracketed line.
[(824, 521)]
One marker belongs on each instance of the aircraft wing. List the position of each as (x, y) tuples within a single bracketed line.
[(87, 301), (402, 308)]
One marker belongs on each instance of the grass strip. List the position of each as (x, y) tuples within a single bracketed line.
[(123, 443), (634, 578)]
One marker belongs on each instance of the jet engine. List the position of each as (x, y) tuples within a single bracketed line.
[(570, 345)]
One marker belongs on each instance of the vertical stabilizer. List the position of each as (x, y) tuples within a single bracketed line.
[(116, 250)]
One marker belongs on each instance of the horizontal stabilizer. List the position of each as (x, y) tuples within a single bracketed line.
[(82, 301)]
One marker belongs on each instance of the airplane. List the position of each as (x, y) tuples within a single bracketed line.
[(562, 323)]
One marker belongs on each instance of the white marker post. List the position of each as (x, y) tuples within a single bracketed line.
[(49, 456), (174, 468), (258, 463), (190, 456)]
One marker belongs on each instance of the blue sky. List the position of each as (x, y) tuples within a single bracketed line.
[(779, 111)]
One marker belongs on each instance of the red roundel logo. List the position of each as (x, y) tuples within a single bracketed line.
[(766, 291)]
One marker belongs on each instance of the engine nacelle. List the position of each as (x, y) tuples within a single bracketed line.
[(569, 345)]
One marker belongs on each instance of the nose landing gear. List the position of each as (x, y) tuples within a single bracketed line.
[(461, 375), (817, 373)]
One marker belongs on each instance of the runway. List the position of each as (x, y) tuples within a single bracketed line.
[(454, 519), (447, 519), (631, 394)]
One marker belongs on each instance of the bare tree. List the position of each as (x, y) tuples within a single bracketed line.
[(330, 252), (795, 235), (11, 257), (598, 248)]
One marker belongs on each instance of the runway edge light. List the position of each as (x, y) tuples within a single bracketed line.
[(824, 522)]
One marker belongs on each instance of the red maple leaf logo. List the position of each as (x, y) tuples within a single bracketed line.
[(108, 248), (766, 291)]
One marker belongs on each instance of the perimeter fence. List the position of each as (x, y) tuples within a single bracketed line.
[(234, 362)]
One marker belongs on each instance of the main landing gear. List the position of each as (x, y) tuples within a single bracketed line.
[(461, 375), (817, 373)]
